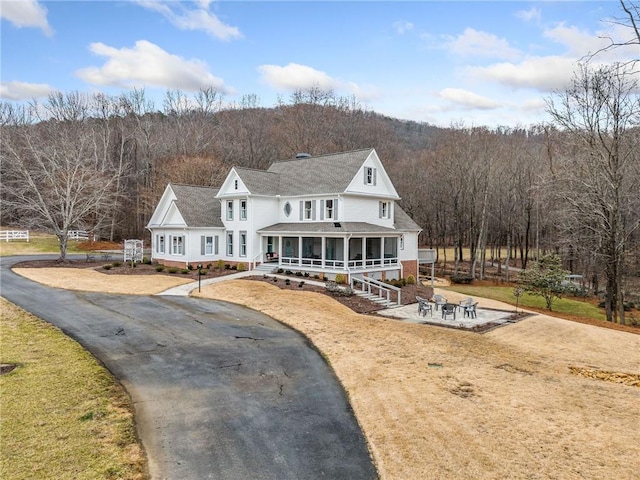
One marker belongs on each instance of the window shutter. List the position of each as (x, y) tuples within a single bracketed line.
[(374, 176), (313, 209), (301, 210), (216, 245), (321, 209), (365, 175), (202, 244), (335, 209), (379, 209)]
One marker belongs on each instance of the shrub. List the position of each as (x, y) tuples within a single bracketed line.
[(242, 267), (172, 269), (184, 271), (159, 268), (300, 285), (298, 274), (275, 279), (107, 267), (227, 266), (234, 267), (189, 266), (306, 274), (220, 265), (287, 282), (339, 279), (280, 270), (316, 276), (203, 271), (146, 260), (461, 279), (116, 264), (411, 280), (209, 266), (288, 272)]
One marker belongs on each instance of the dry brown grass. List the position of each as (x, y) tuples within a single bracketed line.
[(437, 403)]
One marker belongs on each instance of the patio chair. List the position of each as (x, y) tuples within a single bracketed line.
[(470, 310), (449, 309), (424, 306), (465, 303), (439, 300)]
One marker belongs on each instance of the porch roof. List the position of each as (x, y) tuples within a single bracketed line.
[(328, 228)]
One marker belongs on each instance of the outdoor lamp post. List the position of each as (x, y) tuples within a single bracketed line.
[(199, 275)]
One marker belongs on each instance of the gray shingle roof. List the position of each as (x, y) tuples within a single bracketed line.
[(325, 174), (259, 182), (402, 221), (327, 227), (198, 205)]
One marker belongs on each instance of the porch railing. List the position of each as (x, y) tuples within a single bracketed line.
[(375, 289)]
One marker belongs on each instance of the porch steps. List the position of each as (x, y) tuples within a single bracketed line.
[(265, 267), (371, 297)]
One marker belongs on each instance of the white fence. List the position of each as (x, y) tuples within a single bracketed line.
[(9, 235), (78, 235)]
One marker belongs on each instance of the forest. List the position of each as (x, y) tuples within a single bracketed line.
[(100, 163)]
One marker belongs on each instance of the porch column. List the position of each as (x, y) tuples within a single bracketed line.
[(347, 255), (299, 250), (364, 252), (323, 255)]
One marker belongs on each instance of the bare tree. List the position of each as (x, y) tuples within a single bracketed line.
[(49, 174), (596, 179)]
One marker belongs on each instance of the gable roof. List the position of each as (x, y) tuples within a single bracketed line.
[(259, 182), (198, 205), (325, 174)]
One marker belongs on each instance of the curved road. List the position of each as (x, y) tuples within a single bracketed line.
[(219, 391)]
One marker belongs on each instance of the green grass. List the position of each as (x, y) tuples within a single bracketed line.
[(37, 244), (63, 414), (505, 294)]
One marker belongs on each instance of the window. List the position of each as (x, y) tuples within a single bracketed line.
[(307, 210), (230, 244), (385, 210), (287, 209), (160, 244), (243, 244), (208, 245), (177, 245), (235, 184), (328, 209), (369, 176), (243, 209), (230, 210)]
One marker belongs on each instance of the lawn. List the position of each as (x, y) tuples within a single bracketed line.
[(567, 306), (63, 414), (37, 244)]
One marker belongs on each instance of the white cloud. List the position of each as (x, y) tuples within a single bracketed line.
[(529, 15), (540, 73), (467, 99), (19, 91), (193, 18), (402, 26), (295, 76), (476, 43), (26, 13), (146, 64)]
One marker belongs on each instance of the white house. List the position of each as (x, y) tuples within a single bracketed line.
[(323, 215)]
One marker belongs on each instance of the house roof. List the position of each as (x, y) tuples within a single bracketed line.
[(259, 182), (402, 221), (324, 174), (198, 205), (327, 227)]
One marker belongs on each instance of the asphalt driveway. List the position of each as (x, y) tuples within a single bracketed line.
[(220, 391)]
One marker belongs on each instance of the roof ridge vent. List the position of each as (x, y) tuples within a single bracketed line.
[(303, 155)]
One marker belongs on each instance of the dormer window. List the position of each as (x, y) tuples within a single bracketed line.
[(369, 176)]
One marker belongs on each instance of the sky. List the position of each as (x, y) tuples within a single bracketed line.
[(473, 63)]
